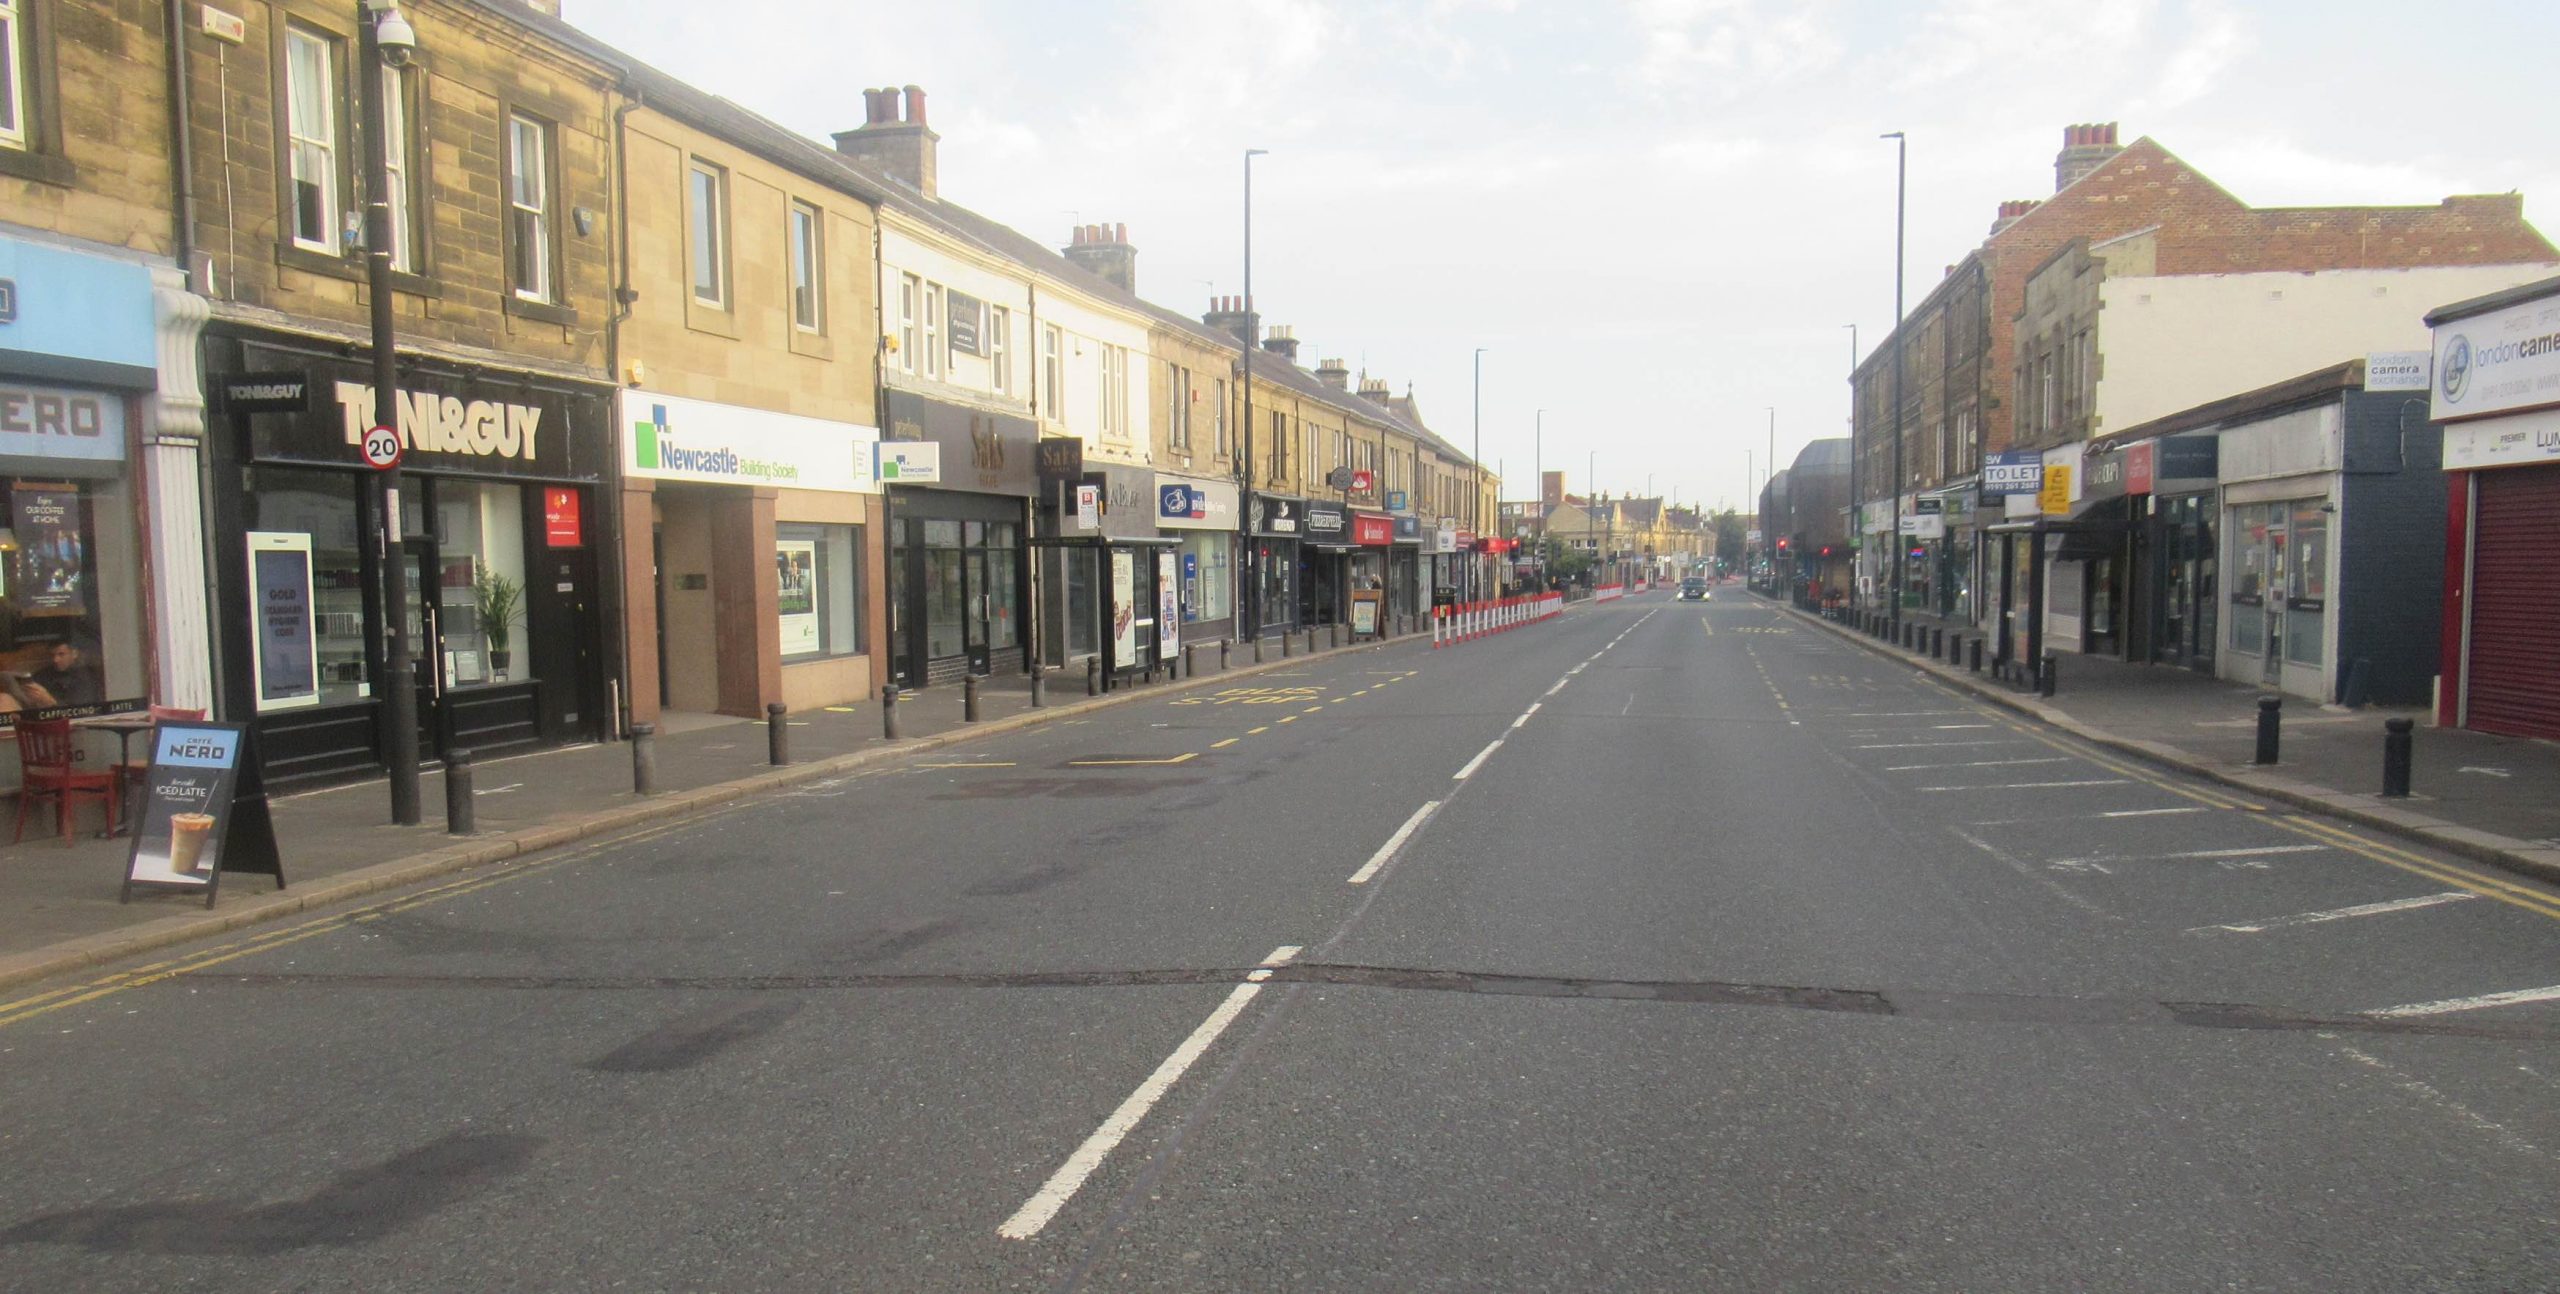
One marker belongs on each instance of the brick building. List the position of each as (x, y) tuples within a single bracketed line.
[(1971, 390)]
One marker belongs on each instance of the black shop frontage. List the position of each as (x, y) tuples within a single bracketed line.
[(959, 568), (500, 534)]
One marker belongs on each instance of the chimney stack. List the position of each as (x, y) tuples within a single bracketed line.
[(1234, 316), (2085, 148), (1104, 252), (2011, 210), (901, 148), (1333, 374), (1283, 342), (1374, 390)]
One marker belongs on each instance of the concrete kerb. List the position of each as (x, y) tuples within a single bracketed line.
[(2504, 852), (275, 905)]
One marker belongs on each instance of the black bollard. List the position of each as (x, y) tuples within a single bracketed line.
[(2395, 757), (1257, 649), (1093, 676), (1039, 695), (968, 700), (1190, 663), (1288, 645), (459, 811), (889, 711), (1333, 635), (777, 735), (644, 759), (2051, 675), (1222, 655), (1973, 656), (2270, 728), (1310, 644)]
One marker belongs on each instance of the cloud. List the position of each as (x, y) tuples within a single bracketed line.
[(1723, 49), (2218, 39)]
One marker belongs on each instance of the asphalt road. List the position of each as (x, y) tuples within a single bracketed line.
[(1655, 947)]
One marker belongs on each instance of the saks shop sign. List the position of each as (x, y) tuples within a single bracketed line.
[(670, 438)]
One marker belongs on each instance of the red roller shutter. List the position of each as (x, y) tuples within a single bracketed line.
[(2514, 683)]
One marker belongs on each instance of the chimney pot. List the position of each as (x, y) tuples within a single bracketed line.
[(915, 105), (1120, 232)]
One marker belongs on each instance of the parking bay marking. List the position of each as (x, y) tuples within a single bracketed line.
[(2336, 914), (2029, 786)]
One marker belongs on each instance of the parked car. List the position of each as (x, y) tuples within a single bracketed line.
[(1694, 589)]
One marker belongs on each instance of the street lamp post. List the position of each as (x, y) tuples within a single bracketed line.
[(1901, 173), (1768, 533), (385, 39), (1249, 616), (1475, 505)]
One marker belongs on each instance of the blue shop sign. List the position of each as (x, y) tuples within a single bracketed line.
[(77, 317), (1408, 529), (1398, 501)]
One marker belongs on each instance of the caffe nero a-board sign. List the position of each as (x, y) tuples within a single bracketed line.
[(203, 813)]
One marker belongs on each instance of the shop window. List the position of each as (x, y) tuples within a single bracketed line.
[(2255, 541), (819, 571), (480, 587), (313, 515), (2306, 582), (1208, 582)]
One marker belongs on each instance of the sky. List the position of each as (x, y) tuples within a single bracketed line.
[(1659, 218)]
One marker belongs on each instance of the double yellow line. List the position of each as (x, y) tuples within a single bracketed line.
[(71, 995)]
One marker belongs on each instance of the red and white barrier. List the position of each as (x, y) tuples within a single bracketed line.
[(1469, 621), (1608, 591)]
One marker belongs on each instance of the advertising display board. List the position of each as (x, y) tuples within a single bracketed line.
[(1126, 599), (284, 667), (795, 566), (1168, 605), (203, 813)]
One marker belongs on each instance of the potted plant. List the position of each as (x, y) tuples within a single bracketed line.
[(499, 600)]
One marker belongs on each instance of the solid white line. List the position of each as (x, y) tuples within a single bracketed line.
[(2151, 813), (1062, 1185), (2028, 786), (1394, 843), (1979, 763), (1940, 726), (2339, 914), (1478, 762), (2452, 1004), (1939, 745)]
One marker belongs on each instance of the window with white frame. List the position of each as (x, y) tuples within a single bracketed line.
[(707, 211), (1177, 424), (1112, 395), (311, 138), (396, 148), (933, 330), (808, 270), (910, 301), (529, 207), (1218, 387), (1000, 350), (13, 74), (1053, 372)]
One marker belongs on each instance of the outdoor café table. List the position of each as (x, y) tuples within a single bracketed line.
[(124, 726)]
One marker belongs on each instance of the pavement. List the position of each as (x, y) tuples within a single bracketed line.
[(2485, 796), (58, 903), (1654, 947)]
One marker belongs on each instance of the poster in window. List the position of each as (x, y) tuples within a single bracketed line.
[(51, 555), (1126, 598), (795, 564), (1168, 605), (965, 313), (285, 667)]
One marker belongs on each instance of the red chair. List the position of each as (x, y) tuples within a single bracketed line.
[(48, 760), (134, 770)]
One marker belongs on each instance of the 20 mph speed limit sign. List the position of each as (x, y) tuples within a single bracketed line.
[(382, 448)]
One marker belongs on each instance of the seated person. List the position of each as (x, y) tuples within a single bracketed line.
[(68, 676), (17, 694)]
